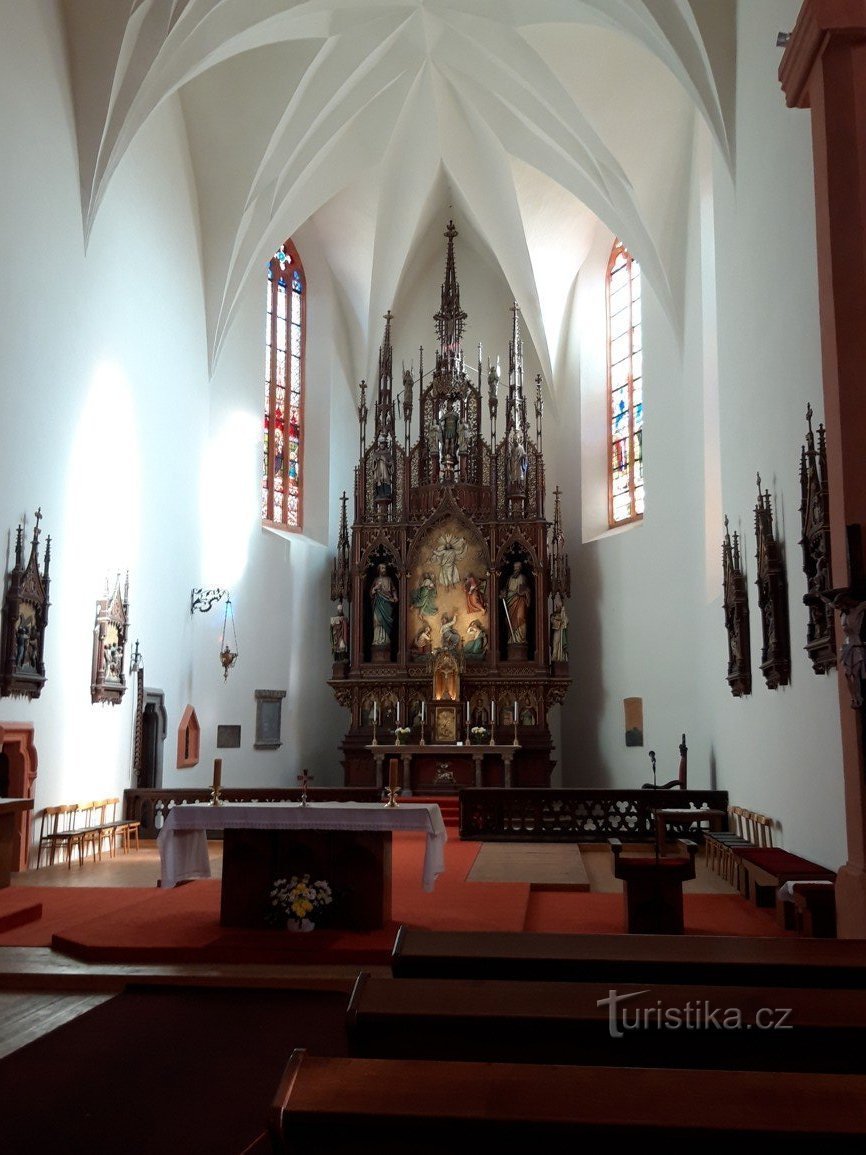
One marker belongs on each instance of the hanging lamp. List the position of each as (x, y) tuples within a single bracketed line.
[(228, 655)]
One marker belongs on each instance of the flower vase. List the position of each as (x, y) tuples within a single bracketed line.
[(300, 924)]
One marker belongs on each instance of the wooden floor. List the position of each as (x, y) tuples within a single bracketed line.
[(40, 990)]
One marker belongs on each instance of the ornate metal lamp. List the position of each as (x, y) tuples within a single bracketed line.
[(228, 655)]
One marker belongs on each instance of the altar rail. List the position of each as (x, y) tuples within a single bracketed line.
[(568, 815), (151, 807)]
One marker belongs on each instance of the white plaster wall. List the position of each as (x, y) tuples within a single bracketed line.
[(776, 751), (104, 401), (727, 401)]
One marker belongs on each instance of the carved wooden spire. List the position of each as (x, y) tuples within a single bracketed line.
[(450, 320)]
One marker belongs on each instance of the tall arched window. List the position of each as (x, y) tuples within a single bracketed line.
[(625, 387), (282, 480)]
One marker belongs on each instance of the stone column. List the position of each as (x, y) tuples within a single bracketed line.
[(824, 69)]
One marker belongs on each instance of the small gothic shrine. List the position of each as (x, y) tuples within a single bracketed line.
[(451, 630), (25, 616)]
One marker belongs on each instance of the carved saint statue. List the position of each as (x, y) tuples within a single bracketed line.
[(517, 462), (383, 467), (558, 630), (340, 635), (383, 596), (518, 596), (450, 423)]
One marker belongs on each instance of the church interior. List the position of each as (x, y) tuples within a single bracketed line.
[(458, 557)]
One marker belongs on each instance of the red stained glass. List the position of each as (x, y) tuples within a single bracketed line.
[(284, 345)]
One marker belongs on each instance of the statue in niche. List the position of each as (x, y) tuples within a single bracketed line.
[(340, 635), (450, 424), (424, 597), (463, 438), (383, 468), (852, 656), (518, 597), (558, 630), (517, 462), (383, 596), (476, 647), (449, 550)]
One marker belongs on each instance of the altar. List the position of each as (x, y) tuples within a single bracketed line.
[(482, 764), (347, 844)]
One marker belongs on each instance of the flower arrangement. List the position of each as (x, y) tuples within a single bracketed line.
[(299, 899), (401, 734), (478, 734)]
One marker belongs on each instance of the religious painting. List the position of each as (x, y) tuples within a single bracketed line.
[(633, 708), (448, 593), (445, 724), (107, 681)]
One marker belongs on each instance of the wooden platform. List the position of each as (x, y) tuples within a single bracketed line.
[(558, 865)]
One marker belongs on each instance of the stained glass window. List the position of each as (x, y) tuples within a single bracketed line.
[(625, 387), (284, 390)]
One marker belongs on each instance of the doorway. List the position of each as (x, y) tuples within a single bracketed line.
[(154, 725)]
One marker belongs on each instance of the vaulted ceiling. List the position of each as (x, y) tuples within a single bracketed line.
[(364, 119)]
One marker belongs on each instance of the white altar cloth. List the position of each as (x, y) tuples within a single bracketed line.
[(182, 841)]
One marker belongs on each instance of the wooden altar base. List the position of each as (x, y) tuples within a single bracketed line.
[(356, 864)]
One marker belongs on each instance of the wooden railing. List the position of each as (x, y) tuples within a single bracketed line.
[(150, 807), (566, 815)]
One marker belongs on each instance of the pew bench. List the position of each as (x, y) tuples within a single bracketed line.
[(782, 1029), (647, 958), (345, 1106), (764, 869)]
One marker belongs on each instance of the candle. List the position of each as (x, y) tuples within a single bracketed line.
[(392, 774), (492, 709), (515, 711), (467, 711), (398, 713), (217, 772), (423, 711), (375, 712)]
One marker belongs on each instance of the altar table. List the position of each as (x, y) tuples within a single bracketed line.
[(346, 843)]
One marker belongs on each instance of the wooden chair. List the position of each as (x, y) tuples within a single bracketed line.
[(89, 830), (115, 829), (56, 830)]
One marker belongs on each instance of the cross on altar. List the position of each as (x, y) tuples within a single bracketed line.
[(305, 779)]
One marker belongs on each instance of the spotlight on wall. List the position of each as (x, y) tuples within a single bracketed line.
[(203, 600), (782, 39), (136, 661)]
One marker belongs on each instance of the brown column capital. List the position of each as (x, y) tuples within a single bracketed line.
[(819, 23)]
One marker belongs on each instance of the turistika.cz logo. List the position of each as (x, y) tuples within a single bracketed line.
[(694, 1015)]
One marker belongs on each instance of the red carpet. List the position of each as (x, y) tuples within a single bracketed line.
[(182, 925)]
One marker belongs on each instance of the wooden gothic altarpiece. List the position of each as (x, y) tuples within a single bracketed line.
[(25, 616), (451, 586)]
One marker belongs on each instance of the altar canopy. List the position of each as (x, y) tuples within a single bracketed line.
[(451, 587)]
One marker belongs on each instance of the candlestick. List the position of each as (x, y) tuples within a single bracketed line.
[(215, 799), (392, 792)]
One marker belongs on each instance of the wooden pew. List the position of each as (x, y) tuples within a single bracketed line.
[(611, 958), (763, 1028), (764, 869), (351, 1106)]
